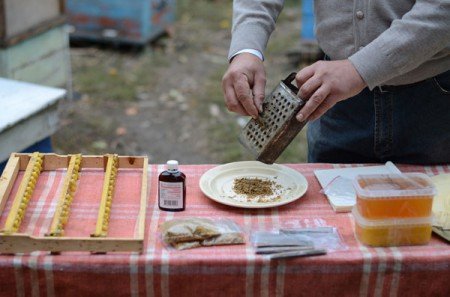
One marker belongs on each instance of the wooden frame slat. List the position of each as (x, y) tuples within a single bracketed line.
[(23, 195), (144, 195), (7, 179), (66, 195), (109, 184), (25, 243)]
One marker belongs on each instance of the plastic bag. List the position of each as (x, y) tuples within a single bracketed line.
[(322, 237), (297, 242), (194, 232), (341, 190)]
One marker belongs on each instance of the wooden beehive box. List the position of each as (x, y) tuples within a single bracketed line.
[(30, 114), (21, 19), (122, 21), (26, 174), (42, 59)]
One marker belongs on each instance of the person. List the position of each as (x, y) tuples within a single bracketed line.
[(383, 91)]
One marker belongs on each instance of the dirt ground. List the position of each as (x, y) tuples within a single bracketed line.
[(165, 101)]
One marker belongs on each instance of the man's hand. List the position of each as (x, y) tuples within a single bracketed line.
[(324, 84), (243, 85)]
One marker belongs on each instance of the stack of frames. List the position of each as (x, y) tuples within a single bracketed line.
[(12, 241)]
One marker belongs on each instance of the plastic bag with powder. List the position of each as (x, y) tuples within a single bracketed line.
[(196, 232)]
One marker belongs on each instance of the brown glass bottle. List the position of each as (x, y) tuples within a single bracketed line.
[(172, 188)]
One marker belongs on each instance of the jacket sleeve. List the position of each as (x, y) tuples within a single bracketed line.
[(410, 41), (253, 22)]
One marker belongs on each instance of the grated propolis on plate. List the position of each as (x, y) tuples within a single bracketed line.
[(257, 189)]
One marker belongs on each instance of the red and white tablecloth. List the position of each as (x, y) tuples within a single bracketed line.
[(214, 271)]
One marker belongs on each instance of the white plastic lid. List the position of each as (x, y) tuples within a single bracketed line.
[(172, 165), (373, 186), (365, 223)]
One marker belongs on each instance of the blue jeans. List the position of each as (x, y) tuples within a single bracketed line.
[(409, 124)]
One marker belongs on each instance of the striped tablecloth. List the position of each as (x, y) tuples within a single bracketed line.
[(215, 271)]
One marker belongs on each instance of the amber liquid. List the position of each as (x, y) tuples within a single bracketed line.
[(395, 207), (170, 176), (394, 235)]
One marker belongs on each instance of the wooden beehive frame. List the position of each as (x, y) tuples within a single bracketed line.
[(54, 241)]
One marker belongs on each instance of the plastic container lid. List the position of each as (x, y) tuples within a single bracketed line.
[(376, 186), (365, 223), (172, 165)]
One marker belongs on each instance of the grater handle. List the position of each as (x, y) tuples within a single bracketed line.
[(288, 82)]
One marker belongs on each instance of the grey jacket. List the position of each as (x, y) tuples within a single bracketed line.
[(390, 42)]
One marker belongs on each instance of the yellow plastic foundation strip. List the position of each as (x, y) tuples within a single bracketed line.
[(101, 229), (24, 193), (65, 199)]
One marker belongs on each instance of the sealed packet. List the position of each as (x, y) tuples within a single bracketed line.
[(195, 232), (298, 242)]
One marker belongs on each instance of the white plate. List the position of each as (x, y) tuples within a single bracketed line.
[(217, 183)]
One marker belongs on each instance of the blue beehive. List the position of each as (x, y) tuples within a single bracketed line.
[(125, 21), (307, 32)]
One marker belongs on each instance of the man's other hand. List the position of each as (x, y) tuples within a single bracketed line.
[(243, 85), (325, 83)]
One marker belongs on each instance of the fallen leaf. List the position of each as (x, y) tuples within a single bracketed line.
[(184, 106), (177, 96), (131, 111), (145, 124), (121, 131), (112, 71), (214, 110), (99, 144), (182, 59), (224, 24), (143, 96)]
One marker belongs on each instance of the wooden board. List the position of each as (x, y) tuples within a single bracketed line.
[(22, 19), (7, 179), (19, 242), (26, 244)]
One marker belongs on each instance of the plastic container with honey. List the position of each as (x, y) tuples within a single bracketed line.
[(385, 196), (392, 232)]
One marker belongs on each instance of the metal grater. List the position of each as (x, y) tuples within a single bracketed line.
[(268, 136)]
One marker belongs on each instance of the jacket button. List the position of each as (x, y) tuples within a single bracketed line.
[(360, 14)]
